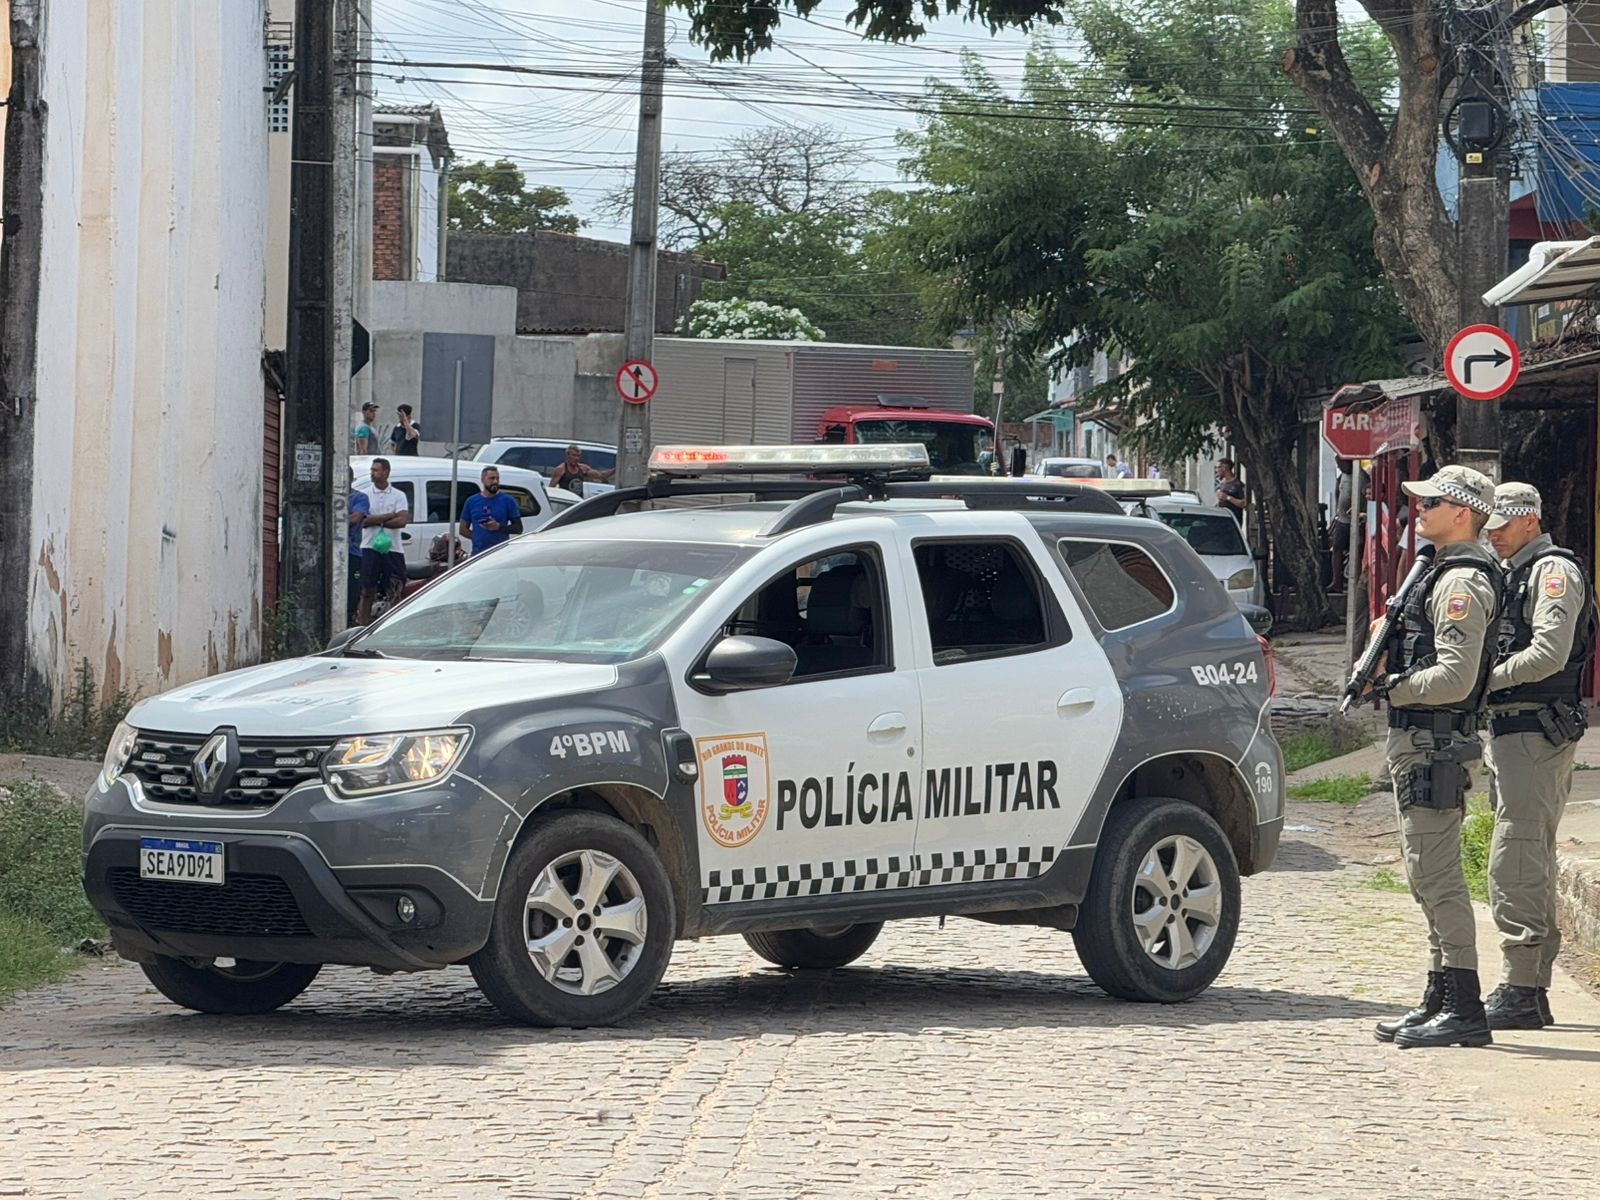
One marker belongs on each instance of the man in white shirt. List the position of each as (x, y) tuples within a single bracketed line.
[(387, 511)]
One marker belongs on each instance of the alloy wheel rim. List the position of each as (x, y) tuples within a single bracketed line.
[(1176, 902), (584, 922)]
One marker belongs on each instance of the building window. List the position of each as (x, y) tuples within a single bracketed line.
[(280, 61)]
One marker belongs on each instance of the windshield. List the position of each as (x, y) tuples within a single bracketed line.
[(1207, 533), (952, 447), (555, 600), (1071, 470)]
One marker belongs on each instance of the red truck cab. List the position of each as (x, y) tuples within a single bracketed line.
[(954, 440)]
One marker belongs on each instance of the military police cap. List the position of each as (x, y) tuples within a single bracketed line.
[(1460, 485), (1514, 500)]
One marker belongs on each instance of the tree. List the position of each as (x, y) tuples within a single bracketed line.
[(750, 319), (1232, 263), (740, 28), (495, 198)]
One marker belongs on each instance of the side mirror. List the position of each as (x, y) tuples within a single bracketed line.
[(343, 636), (1260, 619), (738, 664)]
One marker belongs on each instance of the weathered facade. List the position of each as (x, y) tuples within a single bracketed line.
[(134, 278)]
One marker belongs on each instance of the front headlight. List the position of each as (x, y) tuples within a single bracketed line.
[(117, 754), (1242, 579), (389, 762)]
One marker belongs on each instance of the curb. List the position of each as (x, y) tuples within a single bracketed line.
[(1578, 901)]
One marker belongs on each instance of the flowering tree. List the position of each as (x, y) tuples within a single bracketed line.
[(750, 320)]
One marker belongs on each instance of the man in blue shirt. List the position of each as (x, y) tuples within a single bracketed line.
[(491, 516)]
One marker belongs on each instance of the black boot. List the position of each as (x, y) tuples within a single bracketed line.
[(1462, 1023), (1546, 1017), (1432, 1003), (1512, 1007)]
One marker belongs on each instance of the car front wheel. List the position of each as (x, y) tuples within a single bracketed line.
[(237, 988), (1162, 909), (584, 925)]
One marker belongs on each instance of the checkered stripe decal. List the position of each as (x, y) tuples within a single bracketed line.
[(876, 874)]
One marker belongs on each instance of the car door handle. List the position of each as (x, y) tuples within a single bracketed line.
[(1075, 698), (404, 536), (888, 723)]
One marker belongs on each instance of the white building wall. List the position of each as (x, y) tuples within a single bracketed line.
[(147, 497), (426, 242)]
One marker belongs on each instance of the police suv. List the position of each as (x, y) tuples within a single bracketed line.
[(830, 703)]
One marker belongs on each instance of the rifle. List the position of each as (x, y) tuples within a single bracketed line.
[(1367, 666)]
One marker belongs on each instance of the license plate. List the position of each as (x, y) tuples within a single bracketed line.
[(181, 861)]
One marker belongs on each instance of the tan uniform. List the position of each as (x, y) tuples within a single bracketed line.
[(1462, 607), (1531, 776)]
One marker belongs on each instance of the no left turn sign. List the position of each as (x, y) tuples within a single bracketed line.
[(637, 381), (1482, 362)]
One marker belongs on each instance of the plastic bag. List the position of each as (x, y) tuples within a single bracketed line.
[(383, 543)]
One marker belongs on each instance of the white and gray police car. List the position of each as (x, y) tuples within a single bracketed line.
[(830, 703)]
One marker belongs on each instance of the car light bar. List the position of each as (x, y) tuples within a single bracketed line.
[(1130, 489), (753, 460)]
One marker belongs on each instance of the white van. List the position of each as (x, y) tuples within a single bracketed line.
[(544, 455), (425, 483)]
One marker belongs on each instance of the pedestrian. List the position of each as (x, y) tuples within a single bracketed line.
[(491, 517), (1536, 719), (364, 437), (359, 508), (387, 514), (1117, 470), (1339, 540), (1230, 488), (403, 438), (573, 471), (1439, 661)]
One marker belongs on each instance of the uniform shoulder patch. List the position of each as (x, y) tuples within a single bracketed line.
[(1457, 605), (1555, 585)]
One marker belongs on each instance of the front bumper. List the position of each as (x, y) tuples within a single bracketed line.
[(310, 881)]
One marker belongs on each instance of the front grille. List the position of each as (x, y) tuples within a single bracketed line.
[(245, 906), (268, 768)]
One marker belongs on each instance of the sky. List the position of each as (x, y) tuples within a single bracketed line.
[(576, 126)]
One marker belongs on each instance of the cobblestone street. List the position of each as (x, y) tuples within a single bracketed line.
[(970, 1061)]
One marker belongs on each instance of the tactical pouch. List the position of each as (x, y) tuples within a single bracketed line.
[(1442, 784), (1563, 722)]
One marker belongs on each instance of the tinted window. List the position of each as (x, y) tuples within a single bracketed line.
[(439, 508), (1208, 533), (600, 460), (1122, 583), (536, 458), (830, 610), (1060, 470), (981, 600), (405, 490), (952, 446)]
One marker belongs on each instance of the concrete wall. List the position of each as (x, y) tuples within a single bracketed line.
[(146, 531), (442, 308)]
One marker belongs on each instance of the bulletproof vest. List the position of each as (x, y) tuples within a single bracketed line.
[(1516, 633), (1416, 645)]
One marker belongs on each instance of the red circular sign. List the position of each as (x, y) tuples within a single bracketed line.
[(1482, 362), (637, 381)]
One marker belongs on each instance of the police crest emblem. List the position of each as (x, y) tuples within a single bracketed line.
[(735, 792), (1457, 605), (1555, 585)]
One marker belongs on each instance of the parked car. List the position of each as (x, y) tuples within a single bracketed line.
[(544, 455), (425, 483), (1216, 537), (1069, 468), (756, 719)]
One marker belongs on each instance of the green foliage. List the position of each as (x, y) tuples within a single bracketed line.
[(42, 906), (283, 632), (1313, 746), (1386, 879), (495, 198), (82, 729), (740, 28), (1477, 835), (749, 319), (1336, 789)]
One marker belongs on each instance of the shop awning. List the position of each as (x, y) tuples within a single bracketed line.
[(1554, 271)]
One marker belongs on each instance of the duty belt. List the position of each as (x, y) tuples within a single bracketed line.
[(1435, 720), (1526, 721)]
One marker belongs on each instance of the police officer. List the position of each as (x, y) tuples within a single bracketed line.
[(1536, 718), (1439, 662)]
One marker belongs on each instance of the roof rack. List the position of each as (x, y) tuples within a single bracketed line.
[(816, 500)]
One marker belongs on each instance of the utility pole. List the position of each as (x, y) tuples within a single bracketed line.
[(633, 425), (1477, 124), (307, 568)]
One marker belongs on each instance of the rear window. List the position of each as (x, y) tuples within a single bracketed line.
[(1207, 532), (1122, 583), (534, 458), (1061, 470)]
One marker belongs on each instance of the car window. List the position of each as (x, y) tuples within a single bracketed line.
[(981, 600), (1122, 583), (439, 507), (543, 459), (1061, 470), (1207, 533), (829, 610), (555, 600), (526, 500), (600, 460)]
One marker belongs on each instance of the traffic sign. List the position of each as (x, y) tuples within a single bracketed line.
[(1482, 362), (637, 381), (1349, 433), (1367, 432)]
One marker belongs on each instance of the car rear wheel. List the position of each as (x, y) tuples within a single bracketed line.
[(815, 949), (584, 925), (1162, 909), (237, 988)]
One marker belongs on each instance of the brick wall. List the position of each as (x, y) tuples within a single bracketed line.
[(389, 241)]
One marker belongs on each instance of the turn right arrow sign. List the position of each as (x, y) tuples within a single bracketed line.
[(1482, 362)]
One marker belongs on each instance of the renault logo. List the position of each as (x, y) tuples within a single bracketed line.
[(211, 765)]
